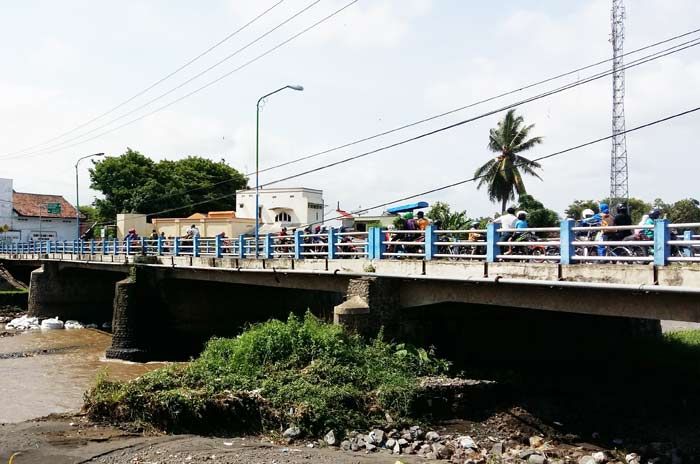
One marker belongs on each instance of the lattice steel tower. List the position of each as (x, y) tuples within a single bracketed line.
[(619, 188)]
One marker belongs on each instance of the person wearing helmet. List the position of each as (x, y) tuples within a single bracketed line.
[(622, 218), (648, 234)]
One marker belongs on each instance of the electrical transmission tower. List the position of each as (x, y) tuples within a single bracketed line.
[(619, 188)]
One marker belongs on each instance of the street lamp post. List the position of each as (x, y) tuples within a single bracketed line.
[(77, 190), (257, 161)]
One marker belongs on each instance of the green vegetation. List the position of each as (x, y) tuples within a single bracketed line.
[(134, 183), (502, 175), (302, 372), (18, 291)]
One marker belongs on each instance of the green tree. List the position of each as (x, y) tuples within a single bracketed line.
[(538, 215), (575, 209), (449, 220), (684, 211), (502, 175), (133, 183)]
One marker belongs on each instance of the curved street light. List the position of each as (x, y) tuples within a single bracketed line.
[(77, 190), (298, 88)]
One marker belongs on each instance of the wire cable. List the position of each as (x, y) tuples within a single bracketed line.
[(182, 84), (463, 181), (49, 150), (541, 158), (155, 84), (481, 116)]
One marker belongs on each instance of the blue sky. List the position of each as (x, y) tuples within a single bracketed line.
[(377, 65)]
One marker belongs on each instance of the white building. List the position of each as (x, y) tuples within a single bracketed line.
[(26, 216), (282, 207)]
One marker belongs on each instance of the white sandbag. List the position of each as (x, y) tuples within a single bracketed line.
[(23, 323), (73, 325), (52, 323)]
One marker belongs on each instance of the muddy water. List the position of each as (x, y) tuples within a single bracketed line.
[(47, 371)]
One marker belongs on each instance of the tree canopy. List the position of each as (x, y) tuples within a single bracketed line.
[(449, 220), (538, 215), (502, 175), (134, 183)]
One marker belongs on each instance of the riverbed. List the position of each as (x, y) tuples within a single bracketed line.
[(47, 371)]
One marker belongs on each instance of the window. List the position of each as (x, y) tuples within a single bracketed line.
[(240, 205), (283, 217), (22, 219), (315, 206)]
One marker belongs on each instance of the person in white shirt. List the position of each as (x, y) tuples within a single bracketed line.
[(507, 221)]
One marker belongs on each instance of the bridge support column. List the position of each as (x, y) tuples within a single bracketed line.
[(372, 303), (137, 316)]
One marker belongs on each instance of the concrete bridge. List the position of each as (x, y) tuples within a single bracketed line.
[(187, 299), (161, 295)]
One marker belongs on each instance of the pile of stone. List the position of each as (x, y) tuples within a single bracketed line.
[(462, 449)]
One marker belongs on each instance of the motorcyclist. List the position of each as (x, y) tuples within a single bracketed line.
[(622, 218)]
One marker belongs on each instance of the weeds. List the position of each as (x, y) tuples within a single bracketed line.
[(303, 372)]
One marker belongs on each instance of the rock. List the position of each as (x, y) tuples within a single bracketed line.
[(536, 459), (600, 457), (497, 449), (291, 432), (416, 432), (370, 447), (346, 445), (432, 436), (407, 436), (587, 459), (431, 455), (397, 448), (632, 458), (467, 442), (536, 441), (330, 438), (441, 451), (424, 450), (524, 454), (402, 442), (376, 437), (390, 443), (354, 446)]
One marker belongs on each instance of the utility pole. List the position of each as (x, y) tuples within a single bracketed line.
[(619, 173)]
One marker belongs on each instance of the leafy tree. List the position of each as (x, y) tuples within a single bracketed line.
[(502, 175), (684, 211), (449, 220), (133, 183), (538, 215), (575, 209)]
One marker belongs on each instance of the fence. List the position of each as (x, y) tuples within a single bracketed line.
[(661, 244)]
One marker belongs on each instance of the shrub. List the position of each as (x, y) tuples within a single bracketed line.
[(303, 372)]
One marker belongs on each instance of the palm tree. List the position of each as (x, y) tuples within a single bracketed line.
[(502, 174)]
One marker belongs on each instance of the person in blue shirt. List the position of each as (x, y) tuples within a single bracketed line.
[(521, 222)]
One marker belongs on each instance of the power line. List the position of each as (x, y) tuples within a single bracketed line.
[(551, 155), (158, 82), (481, 116), (642, 60), (49, 150), (182, 84)]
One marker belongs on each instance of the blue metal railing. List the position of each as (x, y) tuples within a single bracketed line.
[(566, 244)]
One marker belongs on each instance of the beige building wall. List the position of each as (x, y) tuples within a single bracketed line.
[(209, 227), (132, 221)]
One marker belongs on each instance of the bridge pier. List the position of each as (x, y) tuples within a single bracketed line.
[(372, 303), (129, 341), (71, 293)]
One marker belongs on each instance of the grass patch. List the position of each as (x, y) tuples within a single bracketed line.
[(302, 371), (14, 292)]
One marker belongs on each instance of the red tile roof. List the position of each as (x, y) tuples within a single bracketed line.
[(34, 205)]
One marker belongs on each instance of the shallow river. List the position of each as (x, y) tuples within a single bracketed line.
[(41, 383)]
